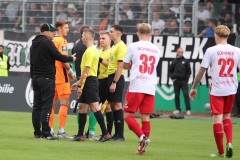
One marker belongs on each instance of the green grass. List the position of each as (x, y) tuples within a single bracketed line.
[(170, 140)]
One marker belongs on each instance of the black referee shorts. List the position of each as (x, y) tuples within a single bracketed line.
[(118, 94), (90, 91), (103, 89)]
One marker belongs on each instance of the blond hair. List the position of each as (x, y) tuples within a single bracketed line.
[(103, 32), (144, 28), (222, 31)]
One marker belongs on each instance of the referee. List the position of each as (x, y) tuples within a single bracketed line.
[(116, 80), (89, 93), (43, 54), (104, 53)]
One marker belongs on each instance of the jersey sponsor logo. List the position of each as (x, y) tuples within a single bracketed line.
[(6, 88), (64, 48), (29, 94)]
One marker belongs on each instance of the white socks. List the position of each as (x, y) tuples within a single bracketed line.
[(141, 138), (61, 130), (52, 131)]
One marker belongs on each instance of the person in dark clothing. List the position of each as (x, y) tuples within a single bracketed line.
[(43, 54), (180, 72), (79, 49)]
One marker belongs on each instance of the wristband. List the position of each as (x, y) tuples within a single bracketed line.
[(114, 81), (100, 60), (79, 86)]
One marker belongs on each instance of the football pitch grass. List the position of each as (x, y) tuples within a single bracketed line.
[(187, 139)]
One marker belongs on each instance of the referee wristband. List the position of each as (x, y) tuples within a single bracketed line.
[(79, 86), (100, 60)]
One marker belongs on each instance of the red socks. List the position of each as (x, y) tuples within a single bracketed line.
[(134, 126), (146, 128), (218, 135), (227, 126)]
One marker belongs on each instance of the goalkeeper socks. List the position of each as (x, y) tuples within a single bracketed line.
[(109, 117), (92, 122), (218, 135), (100, 121), (134, 126), (62, 116), (61, 130), (227, 126), (119, 122), (81, 123), (51, 118), (146, 128)]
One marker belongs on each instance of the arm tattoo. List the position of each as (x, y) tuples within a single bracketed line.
[(198, 77)]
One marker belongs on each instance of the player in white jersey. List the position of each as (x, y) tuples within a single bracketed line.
[(223, 60), (142, 58)]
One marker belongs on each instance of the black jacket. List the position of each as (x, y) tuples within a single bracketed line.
[(43, 54), (79, 49), (180, 69)]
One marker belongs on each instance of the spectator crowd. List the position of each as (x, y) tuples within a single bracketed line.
[(164, 15)]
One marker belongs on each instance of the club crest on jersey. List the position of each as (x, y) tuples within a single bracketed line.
[(111, 58), (183, 62), (64, 49)]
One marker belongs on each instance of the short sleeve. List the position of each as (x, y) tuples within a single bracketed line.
[(122, 49), (206, 59)]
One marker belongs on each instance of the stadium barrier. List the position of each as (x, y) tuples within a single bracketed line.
[(16, 95)]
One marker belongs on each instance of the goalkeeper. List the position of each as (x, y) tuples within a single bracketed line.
[(63, 76)]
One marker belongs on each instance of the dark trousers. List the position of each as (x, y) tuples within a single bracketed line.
[(44, 89), (103, 89), (181, 84)]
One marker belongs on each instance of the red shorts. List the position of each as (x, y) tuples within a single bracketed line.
[(143, 102), (221, 104), (62, 90)]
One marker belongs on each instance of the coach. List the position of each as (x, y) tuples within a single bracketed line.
[(43, 54)]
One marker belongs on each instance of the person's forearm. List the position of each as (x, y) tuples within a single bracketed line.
[(126, 66), (85, 71), (104, 62), (118, 73), (198, 77), (66, 66)]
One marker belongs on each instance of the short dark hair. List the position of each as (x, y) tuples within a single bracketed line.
[(118, 28), (1, 46), (83, 27)]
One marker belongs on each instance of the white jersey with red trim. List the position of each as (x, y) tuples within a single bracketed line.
[(144, 57), (223, 61)]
